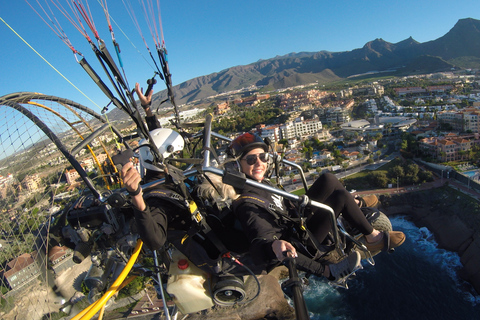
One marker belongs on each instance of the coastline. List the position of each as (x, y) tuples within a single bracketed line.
[(452, 217)]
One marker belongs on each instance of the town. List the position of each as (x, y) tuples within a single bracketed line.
[(432, 117)]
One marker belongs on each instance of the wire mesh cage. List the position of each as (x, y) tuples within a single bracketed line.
[(51, 151)]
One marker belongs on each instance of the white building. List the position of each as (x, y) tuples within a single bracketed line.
[(301, 128)]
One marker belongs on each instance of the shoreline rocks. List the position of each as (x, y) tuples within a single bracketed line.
[(453, 219)]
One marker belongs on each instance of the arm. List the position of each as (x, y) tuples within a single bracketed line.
[(152, 224), (151, 219), (131, 180), (146, 102)]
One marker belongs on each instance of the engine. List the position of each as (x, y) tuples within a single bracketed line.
[(104, 233)]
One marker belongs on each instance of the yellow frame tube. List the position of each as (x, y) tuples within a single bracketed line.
[(91, 310)]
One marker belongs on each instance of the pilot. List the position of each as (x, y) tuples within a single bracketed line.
[(160, 208)]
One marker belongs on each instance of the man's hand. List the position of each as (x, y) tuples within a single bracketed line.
[(145, 101), (131, 181)]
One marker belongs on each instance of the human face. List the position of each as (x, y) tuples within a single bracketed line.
[(256, 170)]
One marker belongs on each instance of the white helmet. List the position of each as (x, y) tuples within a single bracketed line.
[(167, 142)]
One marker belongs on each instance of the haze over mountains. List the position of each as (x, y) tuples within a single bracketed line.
[(459, 49)]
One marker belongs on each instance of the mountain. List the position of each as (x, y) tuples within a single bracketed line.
[(459, 48)]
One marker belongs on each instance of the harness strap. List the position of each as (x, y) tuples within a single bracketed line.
[(199, 222), (168, 195)]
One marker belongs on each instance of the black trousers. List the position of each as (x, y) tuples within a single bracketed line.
[(328, 190)]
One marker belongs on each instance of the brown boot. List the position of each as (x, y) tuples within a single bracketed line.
[(367, 201), (389, 240)]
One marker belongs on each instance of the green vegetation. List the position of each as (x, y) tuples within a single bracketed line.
[(299, 192), (54, 315), (7, 304), (133, 287), (243, 119), (396, 171), (24, 243)]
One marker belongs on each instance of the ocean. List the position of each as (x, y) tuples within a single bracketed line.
[(417, 281)]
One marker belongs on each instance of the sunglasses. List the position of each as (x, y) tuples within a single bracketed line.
[(252, 158)]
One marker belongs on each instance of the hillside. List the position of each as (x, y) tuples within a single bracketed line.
[(459, 48)]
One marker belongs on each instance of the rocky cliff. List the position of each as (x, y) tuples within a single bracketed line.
[(451, 216)]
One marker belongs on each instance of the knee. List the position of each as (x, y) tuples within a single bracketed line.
[(329, 178)]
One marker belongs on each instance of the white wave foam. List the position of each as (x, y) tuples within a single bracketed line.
[(426, 245)]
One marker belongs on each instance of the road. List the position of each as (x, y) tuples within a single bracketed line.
[(438, 182)]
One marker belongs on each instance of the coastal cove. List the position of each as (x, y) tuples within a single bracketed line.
[(451, 216)]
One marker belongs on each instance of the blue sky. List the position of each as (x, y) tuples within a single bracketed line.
[(204, 37)]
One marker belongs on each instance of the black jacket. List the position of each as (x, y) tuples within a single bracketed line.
[(160, 216), (260, 225)]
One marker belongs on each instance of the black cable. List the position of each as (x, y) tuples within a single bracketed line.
[(254, 276)]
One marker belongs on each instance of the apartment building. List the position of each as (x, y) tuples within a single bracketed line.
[(300, 128), (20, 271), (71, 176), (60, 259), (271, 132), (450, 147), (32, 182), (334, 116), (463, 120)]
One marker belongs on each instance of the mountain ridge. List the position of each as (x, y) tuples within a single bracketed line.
[(458, 48)]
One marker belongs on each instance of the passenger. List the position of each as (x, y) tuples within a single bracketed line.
[(271, 239)]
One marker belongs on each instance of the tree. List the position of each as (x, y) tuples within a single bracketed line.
[(396, 171), (378, 179), (291, 175), (133, 287), (425, 176), (412, 169), (306, 166), (463, 154)]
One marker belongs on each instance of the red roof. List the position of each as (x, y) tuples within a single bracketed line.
[(19, 263), (56, 252)]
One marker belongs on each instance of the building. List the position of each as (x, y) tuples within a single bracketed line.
[(5, 182), (449, 148), (454, 119), (60, 258), (321, 158), (471, 121), (222, 108), (31, 183), (271, 132), (409, 90), (71, 176), (21, 271), (335, 116), (387, 126), (301, 128), (463, 120)]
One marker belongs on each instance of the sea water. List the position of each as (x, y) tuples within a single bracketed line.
[(417, 281)]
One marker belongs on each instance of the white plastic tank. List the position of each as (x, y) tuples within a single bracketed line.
[(189, 285)]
